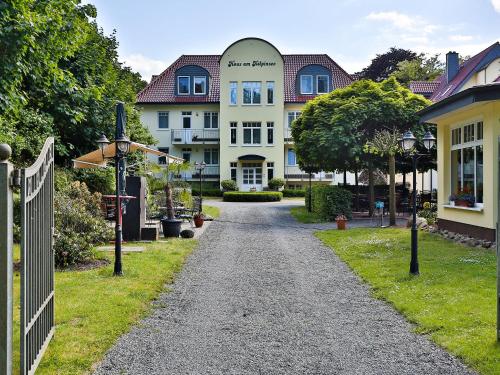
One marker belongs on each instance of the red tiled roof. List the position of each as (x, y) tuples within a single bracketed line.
[(161, 88), (293, 63), (424, 87), (446, 89)]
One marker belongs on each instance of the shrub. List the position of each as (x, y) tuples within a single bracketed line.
[(79, 224), (101, 180), (62, 178), (264, 196), (294, 193), (428, 213), (276, 183), (208, 192), (330, 201), (229, 185)]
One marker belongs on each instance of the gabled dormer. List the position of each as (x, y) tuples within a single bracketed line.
[(192, 80)]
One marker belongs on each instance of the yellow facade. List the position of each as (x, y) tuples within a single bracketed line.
[(489, 114)]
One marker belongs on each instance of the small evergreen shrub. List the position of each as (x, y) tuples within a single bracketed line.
[(229, 185), (208, 192), (101, 180), (276, 183), (261, 196), (329, 201), (294, 193), (79, 224)]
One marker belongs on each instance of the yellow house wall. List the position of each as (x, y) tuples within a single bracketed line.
[(489, 113), (244, 51), (484, 76)]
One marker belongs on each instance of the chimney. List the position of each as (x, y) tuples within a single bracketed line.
[(452, 65)]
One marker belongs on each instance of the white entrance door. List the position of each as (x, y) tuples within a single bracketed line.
[(252, 177)]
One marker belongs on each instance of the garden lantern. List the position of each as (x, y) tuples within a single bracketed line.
[(123, 145), (407, 143), (102, 143)]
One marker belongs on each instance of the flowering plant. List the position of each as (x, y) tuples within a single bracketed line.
[(464, 195), (341, 217)]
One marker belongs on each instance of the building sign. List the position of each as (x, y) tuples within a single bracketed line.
[(254, 63)]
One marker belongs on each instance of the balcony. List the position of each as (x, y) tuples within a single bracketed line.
[(288, 135), (195, 136), (296, 174)]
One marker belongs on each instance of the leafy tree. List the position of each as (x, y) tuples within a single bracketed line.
[(60, 76), (421, 68), (383, 65), (333, 129)]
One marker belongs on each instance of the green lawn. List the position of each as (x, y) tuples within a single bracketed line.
[(94, 308), (453, 300), (211, 210), (303, 216)]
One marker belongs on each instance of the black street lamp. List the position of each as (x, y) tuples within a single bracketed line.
[(122, 144), (200, 167), (407, 143)]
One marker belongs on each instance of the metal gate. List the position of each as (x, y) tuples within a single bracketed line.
[(37, 258)]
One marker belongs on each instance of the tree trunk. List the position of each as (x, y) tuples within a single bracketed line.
[(392, 190), (371, 187), (345, 177), (357, 189), (404, 180), (170, 203)]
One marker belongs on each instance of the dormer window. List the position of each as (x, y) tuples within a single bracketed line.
[(322, 84), (183, 84), (306, 84), (200, 84)]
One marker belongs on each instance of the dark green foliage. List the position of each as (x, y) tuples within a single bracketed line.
[(276, 183), (60, 76), (261, 196), (383, 65), (79, 224), (330, 201), (207, 192), (101, 180), (229, 185), (294, 193)]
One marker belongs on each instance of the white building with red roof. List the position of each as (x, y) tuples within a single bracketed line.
[(233, 111)]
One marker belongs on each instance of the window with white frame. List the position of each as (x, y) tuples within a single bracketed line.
[(200, 85), (306, 84), (162, 159), (233, 126), (292, 159), (233, 167), (270, 133), (211, 156), (233, 93), (270, 170), (186, 119), (292, 116), (467, 160), (211, 120), (162, 120), (322, 84), (183, 85), (270, 92), (251, 133), (251, 92)]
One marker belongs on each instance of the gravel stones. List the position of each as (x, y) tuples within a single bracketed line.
[(262, 295)]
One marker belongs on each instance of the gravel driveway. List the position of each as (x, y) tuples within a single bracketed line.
[(262, 295)]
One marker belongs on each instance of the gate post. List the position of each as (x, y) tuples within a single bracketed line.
[(6, 260)]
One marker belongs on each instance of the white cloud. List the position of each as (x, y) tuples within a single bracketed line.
[(461, 38), (496, 5), (405, 22), (144, 65)]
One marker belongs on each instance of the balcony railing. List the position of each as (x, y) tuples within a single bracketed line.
[(288, 135), (210, 172), (295, 173), (195, 136)]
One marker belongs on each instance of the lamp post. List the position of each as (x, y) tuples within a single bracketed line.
[(200, 167), (407, 143), (122, 149)]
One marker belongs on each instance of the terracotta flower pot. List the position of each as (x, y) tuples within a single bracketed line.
[(341, 224), (462, 203), (198, 221)]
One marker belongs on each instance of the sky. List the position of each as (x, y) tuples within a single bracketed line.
[(154, 33)]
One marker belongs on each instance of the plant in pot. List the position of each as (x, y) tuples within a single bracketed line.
[(452, 198), (464, 198), (341, 221), (276, 183), (199, 219)]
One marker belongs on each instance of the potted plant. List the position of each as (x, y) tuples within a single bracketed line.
[(452, 198), (341, 221), (465, 199), (199, 219)]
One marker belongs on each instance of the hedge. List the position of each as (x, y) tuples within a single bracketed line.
[(264, 196), (294, 193), (208, 192), (330, 201)]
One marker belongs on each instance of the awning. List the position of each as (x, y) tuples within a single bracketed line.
[(251, 157), (95, 158)]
